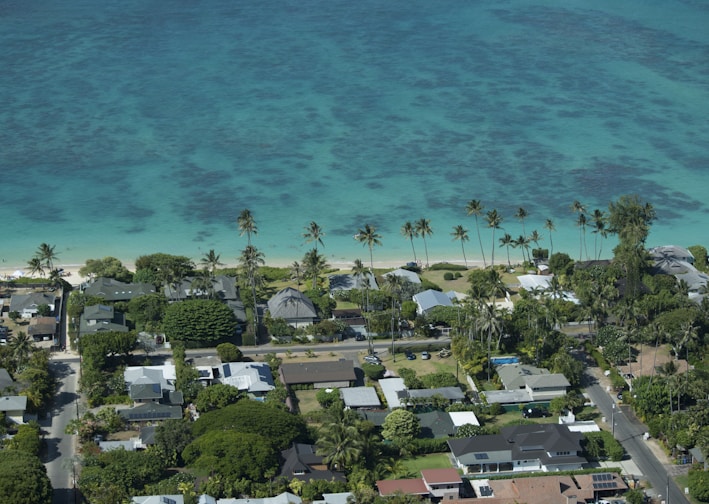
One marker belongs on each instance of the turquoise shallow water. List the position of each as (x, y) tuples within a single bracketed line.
[(147, 126)]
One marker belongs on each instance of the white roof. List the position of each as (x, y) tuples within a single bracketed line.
[(360, 397), (250, 376), (165, 375), (390, 388), (463, 417), (335, 498)]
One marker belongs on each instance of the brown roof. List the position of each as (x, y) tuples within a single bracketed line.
[(317, 372), (405, 486), (439, 476), (42, 325)]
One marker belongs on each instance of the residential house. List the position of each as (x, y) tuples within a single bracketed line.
[(43, 328), (537, 284), (436, 425), (158, 499), (27, 304), (324, 374), (336, 498), (434, 484), (6, 381), (360, 398), (353, 318), (404, 274), (14, 408), (111, 289), (283, 498), (255, 378), (673, 252), (543, 447), (525, 383), (221, 287), (429, 299), (450, 394), (394, 392), (302, 462), (460, 418), (346, 282), (152, 390), (101, 318), (293, 306)]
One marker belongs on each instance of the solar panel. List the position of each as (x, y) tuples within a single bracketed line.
[(168, 500), (602, 477), (481, 456)]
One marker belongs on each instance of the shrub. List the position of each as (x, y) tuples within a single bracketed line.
[(447, 267), (448, 276), (327, 396), (373, 371)]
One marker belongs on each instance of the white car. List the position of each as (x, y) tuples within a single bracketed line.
[(425, 355)]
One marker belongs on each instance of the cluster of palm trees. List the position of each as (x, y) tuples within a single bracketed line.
[(43, 260)]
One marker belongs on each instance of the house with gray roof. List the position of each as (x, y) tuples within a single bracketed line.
[(101, 318), (302, 462), (436, 425), (451, 394), (220, 287), (158, 499), (394, 392), (293, 306), (525, 383), (43, 328), (360, 398), (111, 289), (255, 378), (346, 282), (14, 408), (520, 448), (429, 299), (151, 412), (323, 374), (27, 304), (283, 498), (6, 381), (405, 275), (336, 498)]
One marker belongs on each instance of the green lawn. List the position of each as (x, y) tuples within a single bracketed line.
[(430, 461)]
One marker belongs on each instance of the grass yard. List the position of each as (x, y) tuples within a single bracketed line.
[(307, 401), (430, 461), (435, 364)]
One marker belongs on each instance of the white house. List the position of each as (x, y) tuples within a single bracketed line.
[(429, 299)]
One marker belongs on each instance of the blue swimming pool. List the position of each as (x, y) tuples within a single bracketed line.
[(496, 361)]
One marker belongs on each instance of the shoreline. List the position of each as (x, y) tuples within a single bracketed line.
[(71, 270)]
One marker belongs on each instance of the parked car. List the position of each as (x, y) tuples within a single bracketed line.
[(535, 413), (360, 337), (444, 353), (425, 355), (372, 359), (410, 355)]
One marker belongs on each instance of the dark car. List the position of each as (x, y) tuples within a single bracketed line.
[(360, 337), (410, 355), (535, 413)]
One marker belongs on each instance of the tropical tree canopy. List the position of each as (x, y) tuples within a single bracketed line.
[(23, 479), (199, 320)]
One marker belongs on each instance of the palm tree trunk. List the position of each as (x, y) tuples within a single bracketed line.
[(480, 240), (413, 249)]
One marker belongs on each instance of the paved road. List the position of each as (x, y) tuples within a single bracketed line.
[(629, 431), (60, 446)]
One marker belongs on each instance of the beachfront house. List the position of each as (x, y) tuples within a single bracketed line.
[(111, 289)]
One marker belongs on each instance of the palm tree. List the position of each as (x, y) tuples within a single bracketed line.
[(460, 233), (314, 264), (423, 227), (522, 214), (251, 258), (314, 233), (47, 255), (489, 322), (211, 261), (360, 273), (246, 224), (203, 284), (493, 221), (409, 231), (393, 284), (475, 208), (295, 270), (599, 228), (340, 444), (35, 266), (549, 225), (22, 346), (506, 241), (522, 242), (368, 235), (578, 207), (581, 221)]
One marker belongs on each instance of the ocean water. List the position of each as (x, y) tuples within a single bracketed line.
[(142, 126)]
